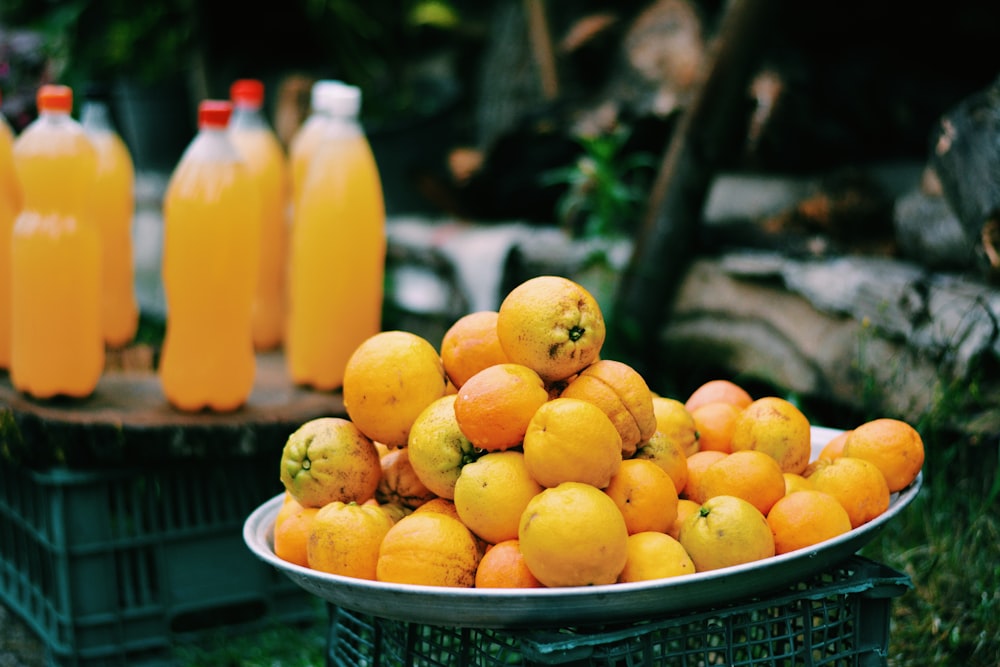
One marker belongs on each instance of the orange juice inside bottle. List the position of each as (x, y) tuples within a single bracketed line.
[(337, 263), (10, 206), (113, 206), (323, 101), (265, 159), (211, 249), (57, 346)]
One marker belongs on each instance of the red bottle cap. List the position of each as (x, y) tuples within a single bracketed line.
[(214, 113), (247, 91), (52, 97)]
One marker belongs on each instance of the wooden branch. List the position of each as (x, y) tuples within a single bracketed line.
[(541, 46), (666, 242)]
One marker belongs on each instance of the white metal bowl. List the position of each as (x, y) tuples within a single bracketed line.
[(564, 607)]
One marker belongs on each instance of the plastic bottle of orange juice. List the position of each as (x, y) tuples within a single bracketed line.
[(337, 262), (265, 158), (57, 344), (10, 206), (113, 207), (211, 250)]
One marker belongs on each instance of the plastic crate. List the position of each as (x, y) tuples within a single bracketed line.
[(837, 618), (116, 566)]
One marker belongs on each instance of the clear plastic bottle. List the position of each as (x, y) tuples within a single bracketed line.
[(10, 206), (211, 250), (325, 98), (113, 207), (57, 344), (337, 261), (265, 158)]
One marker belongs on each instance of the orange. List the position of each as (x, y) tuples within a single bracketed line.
[(776, 427), (389, 379), (400, 483), (794, 482), (834, 447), (893, 446), (493, 408), (655, 555), (492, 492), (570, 440), (715, 423), (857, 484), (645, 496), (806, 518), (328, 459), (623, 394), (552, 325), (291, 531), (685, 508), (697, 464), (470, 345), (751, 475), (668, 453), (430, 549), (573, 535), (718, 391), (345, 539), (440, 505), (503, 566), (437, 447), (675, 422), (726, 531)]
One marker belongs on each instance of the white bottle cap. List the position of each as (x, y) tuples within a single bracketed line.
[(336, 98)]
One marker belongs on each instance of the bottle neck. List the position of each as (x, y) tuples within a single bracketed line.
[(95, 116)]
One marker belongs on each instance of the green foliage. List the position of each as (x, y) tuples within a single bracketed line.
[(606, 191)]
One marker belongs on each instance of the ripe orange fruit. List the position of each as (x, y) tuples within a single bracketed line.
[(400, 483), (494, 406), (645, 496), (570, 440), (805, 518), (291, 531), (834, 447), (621, 392), (437, 447), (857, 484), (328, 459), (655, 555), (697, 464), (668, 453), (676, 423), (470, 345), (492, 492), (685, 508), (552, 325), (430, 549), (794, 482), (573, 535), (503, 566), (715, 423), (751, 475), (718, 391), (726, 531), (389, 379), (440, 505), (776, 427), (892, 445), (345, 539)]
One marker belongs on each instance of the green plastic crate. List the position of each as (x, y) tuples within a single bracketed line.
[(838, 618), (116, 566)]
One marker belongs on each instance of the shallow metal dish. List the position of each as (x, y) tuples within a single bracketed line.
[(563, 607)]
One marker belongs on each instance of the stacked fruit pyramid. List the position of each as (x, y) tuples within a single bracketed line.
[(517, 457)]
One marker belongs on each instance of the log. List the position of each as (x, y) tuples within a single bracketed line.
[(127, 421)]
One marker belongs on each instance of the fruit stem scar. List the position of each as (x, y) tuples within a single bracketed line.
[(576, 333), (306, 464), (704, 511)]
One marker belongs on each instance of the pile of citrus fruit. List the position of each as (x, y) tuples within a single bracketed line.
[(515, 456)]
